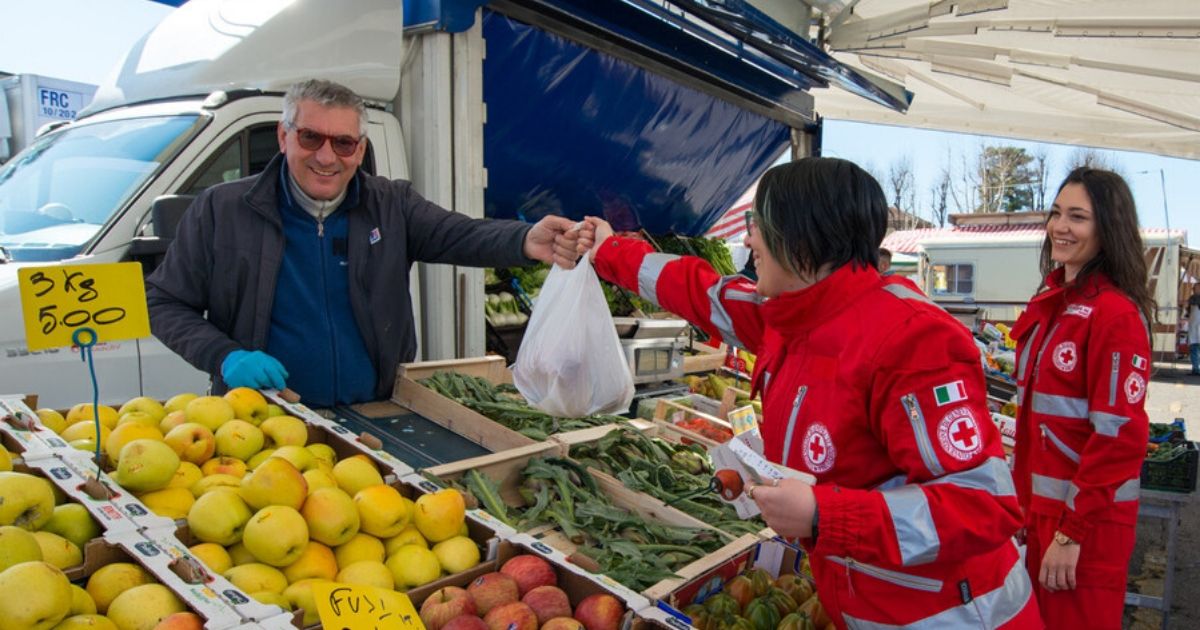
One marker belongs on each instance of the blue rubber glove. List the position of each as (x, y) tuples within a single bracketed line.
[(254, 369)]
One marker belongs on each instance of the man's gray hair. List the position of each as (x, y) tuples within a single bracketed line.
[(327, 94)]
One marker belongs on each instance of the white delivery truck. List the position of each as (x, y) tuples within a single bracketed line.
[(31, 102), (196, 102), (991, 276)]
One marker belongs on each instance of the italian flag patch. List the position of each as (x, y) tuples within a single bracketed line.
[(949, 393), (1139, 362)]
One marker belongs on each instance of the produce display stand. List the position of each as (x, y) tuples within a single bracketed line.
[(1165, 506), (706, 358), (22, 432)]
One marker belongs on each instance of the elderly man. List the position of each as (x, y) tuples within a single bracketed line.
[(298, 276)]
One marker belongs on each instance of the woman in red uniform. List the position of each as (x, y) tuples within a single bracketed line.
[(1083, 362), (870, 388)]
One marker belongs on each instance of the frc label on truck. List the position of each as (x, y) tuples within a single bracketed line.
[(59, 104)]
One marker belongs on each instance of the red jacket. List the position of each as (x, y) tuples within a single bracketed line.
[(1083, 363), (880, 395)]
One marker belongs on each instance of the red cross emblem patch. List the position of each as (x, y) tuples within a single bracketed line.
[(959, 434), (1135, 387), (819, 451), (1066, 356)]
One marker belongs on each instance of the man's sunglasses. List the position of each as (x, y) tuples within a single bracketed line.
[(310, 140)]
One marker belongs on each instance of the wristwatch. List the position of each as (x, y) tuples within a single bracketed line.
[(1064, 539)]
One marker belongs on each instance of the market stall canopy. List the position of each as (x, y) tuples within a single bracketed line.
[(1108, 73)]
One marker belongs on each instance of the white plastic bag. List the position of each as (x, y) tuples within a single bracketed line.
[(571, 363)]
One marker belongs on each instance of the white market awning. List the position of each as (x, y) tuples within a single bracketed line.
[(1112, 74)]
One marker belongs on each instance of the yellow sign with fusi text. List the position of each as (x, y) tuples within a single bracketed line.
[(360, 606), (109, 298)]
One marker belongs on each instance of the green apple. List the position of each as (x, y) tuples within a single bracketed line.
[(81, 602), (73, 522), (318, 478), (300, 594), (37, 595), (355, 473), (240, 439), (275, 482), (256, 576), (211, 411), (58, 551), (219, 516), (25, 500), (323, 451), (248, 404), (140, 417), (126, 433), (277, 535), (52, 420), (259, 458), (317, 561), (360, 547), (284, 430), (208, 483), (178, 402), (17, 546), (331, 516), (145, 465), (172, 420), (192, 442), (90, 621), (301, 457), (146, 405), (113, 579), (239, 555), (5, 459), (275, 410), (142, 607), (213, 556)]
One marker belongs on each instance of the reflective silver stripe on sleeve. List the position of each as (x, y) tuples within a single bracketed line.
[(1020, 395), (1062, 446), (766, 383), (916, 582), (894, 482), (912, 409), (1023, 363), (1112, 379), (1061, 406), (743, 296), (1128, 491), (989, 610), (906, 293), (648, 273), (791, 426), (1107, 424), (719, 316), (991, 476), (912, 520), (1050, 488)]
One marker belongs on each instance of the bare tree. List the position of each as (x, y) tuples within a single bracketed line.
[(900, 181), (1093, 158), (964, 191), (938, 197), (1040, 169)]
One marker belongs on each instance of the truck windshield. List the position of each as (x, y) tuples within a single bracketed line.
[(57, 194)]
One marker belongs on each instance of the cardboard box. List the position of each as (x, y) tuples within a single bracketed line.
[(504, 470), (340, 438), (23, 433), (211, 595), (70, 469)]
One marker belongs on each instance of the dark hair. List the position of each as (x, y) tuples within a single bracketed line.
[(1122, 255), (885, 253), (818, 211)]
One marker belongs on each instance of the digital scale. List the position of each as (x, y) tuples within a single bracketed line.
[(653, 347)]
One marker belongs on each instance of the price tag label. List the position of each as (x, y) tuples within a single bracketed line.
[(358, 606), (109, 298), (742, 420)]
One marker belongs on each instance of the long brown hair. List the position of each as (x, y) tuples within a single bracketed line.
[(1122, 255)]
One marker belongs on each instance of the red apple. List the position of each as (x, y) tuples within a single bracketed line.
[(562, 623), (600, 612), (530, 572), (465, 622), (547, 602), (491, 590), (446, 604), (511, 616)]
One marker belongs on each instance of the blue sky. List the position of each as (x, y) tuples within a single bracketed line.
[(82, 40)]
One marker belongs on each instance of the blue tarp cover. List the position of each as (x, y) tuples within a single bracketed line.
[(577, 132)]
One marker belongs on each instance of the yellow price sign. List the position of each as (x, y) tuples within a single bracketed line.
[(109, 298), (354, 606), (742, 419)]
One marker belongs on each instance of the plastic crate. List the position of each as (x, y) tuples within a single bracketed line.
[(1177, 474), (1178, 433)]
